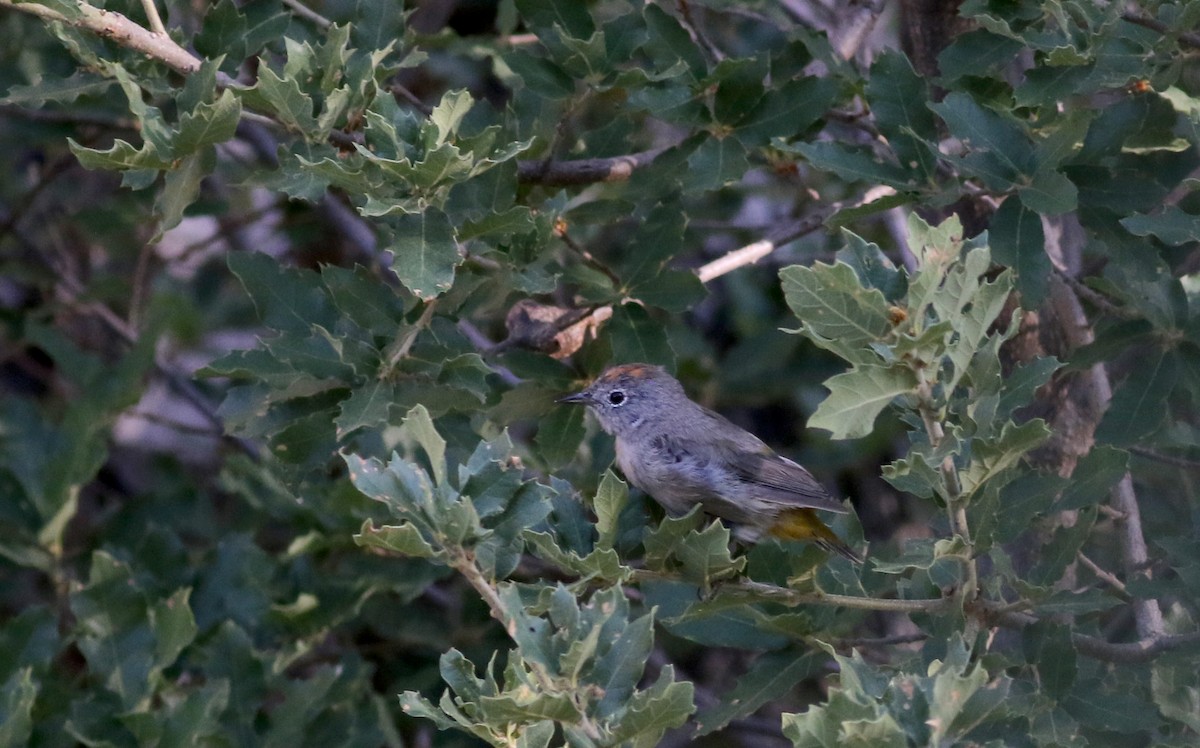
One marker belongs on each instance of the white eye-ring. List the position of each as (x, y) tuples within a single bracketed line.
[(616, 398)]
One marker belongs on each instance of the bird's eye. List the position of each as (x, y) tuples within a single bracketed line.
[(616, 397)]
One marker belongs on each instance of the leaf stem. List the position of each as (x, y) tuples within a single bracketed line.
[(955, 505)]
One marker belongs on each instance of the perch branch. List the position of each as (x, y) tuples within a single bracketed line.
[(585, 170), (120, 29)]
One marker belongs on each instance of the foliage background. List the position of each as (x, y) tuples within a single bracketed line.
[(239, 254)]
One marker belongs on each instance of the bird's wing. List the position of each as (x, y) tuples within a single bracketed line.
[(781, 481), (778, 479)]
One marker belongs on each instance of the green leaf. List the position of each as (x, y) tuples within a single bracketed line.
[(239, 32), (834, 308), (208, 124), (872, 266), (638, 338), (1139, 405), (424, 252), (858, 396), (1093, 478), (978, 52), (787, 110), (1018, 241), (718, 162), (854, 165), (181, 187), (17, 697), (739, 87), (174, 627), (1176, 691), (998, 151), (1048, 648), (404, 539), (1172, 226), (990, 457), (379, 25), (559, 435), (1050, 193), (286, 298), (419, 426), (546, 15), (701, 556), (57, 90), (611, 498), (772, 675), (368, 406), (898, 99), (291, 106), (670, 42), (540, 75), (119, 157), (653, 711)]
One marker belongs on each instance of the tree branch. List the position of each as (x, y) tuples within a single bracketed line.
[(1134, 556), (1187, 37), (792, 598), (582, 171), (120, 29), (1143, 650)]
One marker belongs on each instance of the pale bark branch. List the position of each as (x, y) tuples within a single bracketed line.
[(120, 29)]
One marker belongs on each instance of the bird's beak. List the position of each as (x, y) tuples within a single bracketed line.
[(576, 398)]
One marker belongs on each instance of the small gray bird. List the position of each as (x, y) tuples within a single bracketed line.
[(684, 454)]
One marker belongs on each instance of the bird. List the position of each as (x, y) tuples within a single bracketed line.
[(683, 454)]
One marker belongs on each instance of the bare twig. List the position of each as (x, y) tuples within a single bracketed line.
[(955, 503), (308, 14), (398, 89), (407, 338), (698, 36), (882, 641), (1151, 454), (1134, 556), (791, 598), (1189, 38), (1143, 650), (120, 29), (152, 17), (1103, 575), (755, 251), (584, 171), (562, 233)]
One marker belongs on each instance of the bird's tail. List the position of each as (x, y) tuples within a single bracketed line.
[(803, 524)]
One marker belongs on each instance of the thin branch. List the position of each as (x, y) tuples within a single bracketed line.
[(755, 251), (408, 337), (1135, 557), (698, 36), (583, 171), (561, 232), (1151, 454), (71, 289), (155, 21), (955, 505), (1101, 301), (308, 14), (1187, 37), (396, 89), (1104, 575), (791, 598), (1143, 650), (882, 641), (463, 561), (114, 26)]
